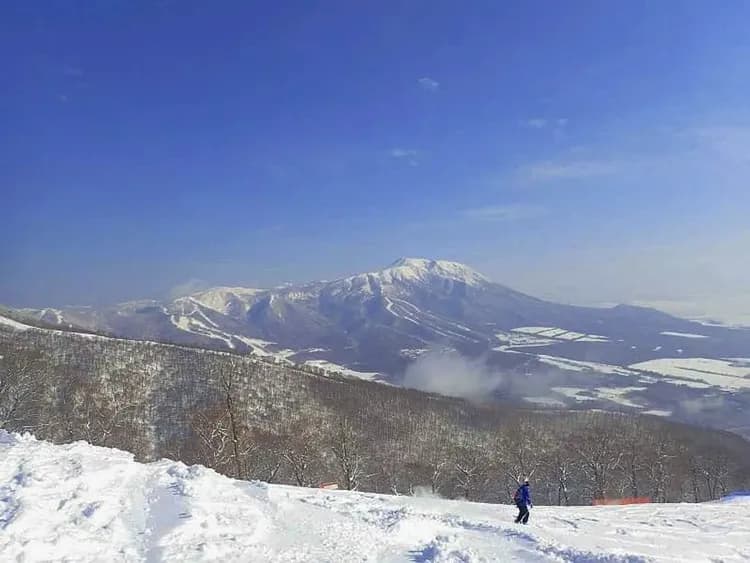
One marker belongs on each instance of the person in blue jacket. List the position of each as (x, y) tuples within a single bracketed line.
[(522, 498)]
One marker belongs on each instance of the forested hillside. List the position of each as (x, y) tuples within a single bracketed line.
[(253, 418)]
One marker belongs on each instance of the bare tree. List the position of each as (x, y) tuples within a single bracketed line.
[(213, 439), (21, 383), (658, 455), (518, 452), (438, 464), (240, 447), (347, 448), (301, 451), (715, 469), (472, 471), (561, 466), (600, 455), (633, 458), (264, 456), (102, 413)]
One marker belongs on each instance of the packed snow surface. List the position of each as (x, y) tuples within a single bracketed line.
[(82, 503)]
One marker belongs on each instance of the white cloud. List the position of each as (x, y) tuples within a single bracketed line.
[(717, 149), (453, 375), (537, 123), (429, 84), (403, 153), (507, 212), (557, 124), (407, 155), (72, 71), (188, 287), (569, 169)]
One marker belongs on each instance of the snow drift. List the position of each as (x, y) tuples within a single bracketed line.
[(82, 503)]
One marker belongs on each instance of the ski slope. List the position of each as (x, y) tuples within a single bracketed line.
[(82, 503)]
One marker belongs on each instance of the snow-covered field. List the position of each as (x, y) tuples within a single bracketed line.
[(683, 334), (579, 365), (539, 336), (82, 503), (330, 366), (559, 334), (731, 374)]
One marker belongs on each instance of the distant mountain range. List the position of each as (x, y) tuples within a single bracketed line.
[(379, 324)]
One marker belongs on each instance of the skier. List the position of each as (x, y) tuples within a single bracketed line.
[(522, 498)]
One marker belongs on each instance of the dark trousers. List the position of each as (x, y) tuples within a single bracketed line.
[(523, 513)]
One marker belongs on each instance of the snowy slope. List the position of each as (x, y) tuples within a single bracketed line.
[(15, 325), (82, 503)]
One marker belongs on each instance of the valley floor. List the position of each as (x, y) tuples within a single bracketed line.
[(81, 503)]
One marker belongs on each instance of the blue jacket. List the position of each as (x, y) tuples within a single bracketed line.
[(524, 494)]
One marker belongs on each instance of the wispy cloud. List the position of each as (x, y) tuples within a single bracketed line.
[(407, 155), (505, 212), (696, 275), (429, 84), (717, 147), (537, 123), (401, 153), (569, 169), (453, 375), (72, 71), (731, 143), (556, 124), (188, 287)]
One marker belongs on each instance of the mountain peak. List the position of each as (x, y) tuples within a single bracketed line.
[(405, 261), (226, 299), (419, 268)]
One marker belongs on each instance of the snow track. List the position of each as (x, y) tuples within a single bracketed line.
[(86, 504), (438, 325)]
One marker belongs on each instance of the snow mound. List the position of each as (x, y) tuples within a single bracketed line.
[(82, 503)]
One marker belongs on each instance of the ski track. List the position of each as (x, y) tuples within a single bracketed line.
[(86, 504), (431, 322)]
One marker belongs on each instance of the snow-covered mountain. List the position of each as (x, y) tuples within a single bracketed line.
[(381, 322), (376, 320), (82, 503)]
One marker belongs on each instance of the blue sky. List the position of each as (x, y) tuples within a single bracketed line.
[(584, 151)]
